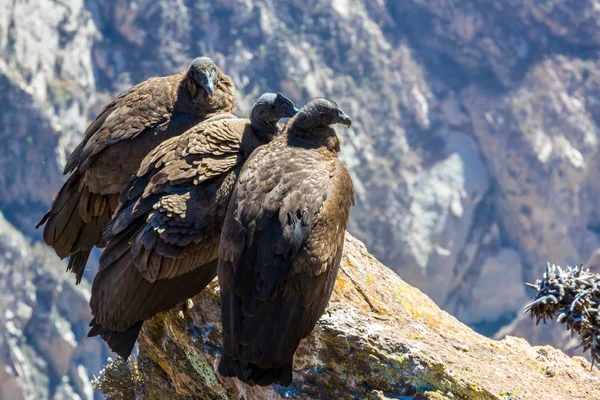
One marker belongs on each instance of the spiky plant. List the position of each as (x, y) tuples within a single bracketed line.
[(572, 296)]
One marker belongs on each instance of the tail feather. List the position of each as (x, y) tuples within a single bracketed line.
[(122, 299), (253, 374), (121, 295), (121, 343), (74, 223), (63, 222), (77, 262)]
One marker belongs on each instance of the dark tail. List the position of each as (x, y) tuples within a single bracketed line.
[(63, 222), (75, 221), (253, 374), (77, 262), (120, 342)]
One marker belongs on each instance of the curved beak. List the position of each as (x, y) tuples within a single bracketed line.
[(345, 119), (291, 111), (208, 84)]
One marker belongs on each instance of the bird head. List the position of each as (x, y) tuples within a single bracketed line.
[(320, 113), (204, 73), (270, 108), (273, 107)]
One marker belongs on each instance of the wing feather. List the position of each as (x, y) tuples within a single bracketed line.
[(145, 105), (173, 208)]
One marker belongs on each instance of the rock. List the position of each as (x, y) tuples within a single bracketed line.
[(547, 179), (379, 338), (9, 384), (445, 198), (40, 338), (497, 291), (524, 326)]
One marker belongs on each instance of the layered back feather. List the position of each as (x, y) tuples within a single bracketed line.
[(114, 144)]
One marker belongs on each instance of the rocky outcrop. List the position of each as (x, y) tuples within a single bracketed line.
[(379, 339)]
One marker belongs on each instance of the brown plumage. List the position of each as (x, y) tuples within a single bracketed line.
[(162, 243), (281, 245), (115, 143)]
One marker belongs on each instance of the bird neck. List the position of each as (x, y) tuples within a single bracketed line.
[(314, 137), (264, 129), (191, 98)]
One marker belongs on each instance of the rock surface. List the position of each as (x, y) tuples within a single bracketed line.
[(43, 325), (379, 338), (474, 147)]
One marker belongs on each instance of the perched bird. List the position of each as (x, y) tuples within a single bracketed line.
[(115, 143), (281, 245), (162, 244)]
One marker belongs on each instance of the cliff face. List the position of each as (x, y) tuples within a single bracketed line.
[(43, 324), (379, 339), (474, 148)]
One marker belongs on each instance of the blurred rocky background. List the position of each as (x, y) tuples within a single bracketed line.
[(474, 149)]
